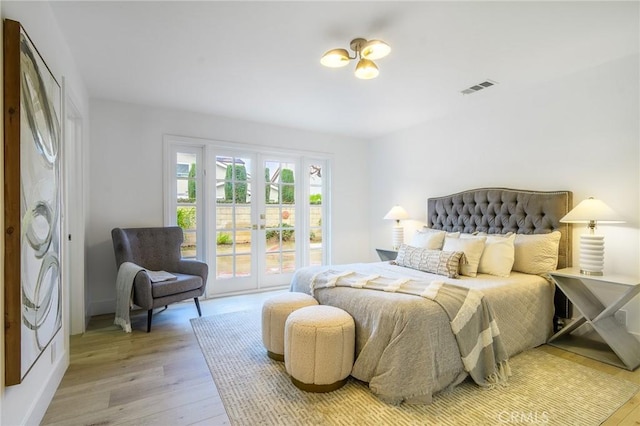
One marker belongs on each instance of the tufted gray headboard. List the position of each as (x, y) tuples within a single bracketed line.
[(502, 210)]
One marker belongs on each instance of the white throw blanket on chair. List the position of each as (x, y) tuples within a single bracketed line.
[(124, 293)]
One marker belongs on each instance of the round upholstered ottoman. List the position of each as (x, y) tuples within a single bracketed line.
[(319, 345), (275, 311)]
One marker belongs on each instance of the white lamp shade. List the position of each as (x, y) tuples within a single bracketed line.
[(396, 213), (589, 210)]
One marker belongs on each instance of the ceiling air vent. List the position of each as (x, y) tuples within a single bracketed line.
[(478, 87)]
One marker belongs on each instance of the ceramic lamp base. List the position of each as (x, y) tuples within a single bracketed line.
[(398, 237), (591, 254)]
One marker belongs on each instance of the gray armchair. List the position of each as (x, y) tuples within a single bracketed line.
[(158, 249)]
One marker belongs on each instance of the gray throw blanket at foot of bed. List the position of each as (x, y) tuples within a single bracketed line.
[(476, 332)]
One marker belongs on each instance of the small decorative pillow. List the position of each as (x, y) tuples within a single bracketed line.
[(433, 261), (472, 247), (536, 253), (498, 255)]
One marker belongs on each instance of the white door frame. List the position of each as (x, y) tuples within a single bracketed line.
[(74, 217)]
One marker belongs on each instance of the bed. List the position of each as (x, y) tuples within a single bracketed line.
[(405, 348)]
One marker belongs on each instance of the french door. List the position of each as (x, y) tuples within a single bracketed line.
[(255, 220), (253, 216)]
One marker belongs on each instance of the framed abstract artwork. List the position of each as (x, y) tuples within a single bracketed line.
[(32, 219)]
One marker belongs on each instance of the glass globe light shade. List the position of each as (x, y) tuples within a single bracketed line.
[(335, 58), (374, 49), (366, 69)]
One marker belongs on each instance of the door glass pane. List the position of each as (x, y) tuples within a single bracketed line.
[(188, 247), (233, 217), (273, 264), (288, 217), (288, 262), (315, 212), (315, 237), (224, 242), (280, 220), (243, 266), (224, 216), (186, 177), (273, 240), (186, 217), (185, 167), (243, 216), (315, 258), (243, 242), (224, 267), (273, 216)]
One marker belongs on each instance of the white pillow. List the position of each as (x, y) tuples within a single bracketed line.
[(431, 239), (498, 255), (536, 253), (472, 247)]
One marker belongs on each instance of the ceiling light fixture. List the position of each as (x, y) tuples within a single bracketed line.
[(365, 52)]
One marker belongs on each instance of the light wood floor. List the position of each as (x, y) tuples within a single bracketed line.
[(161, 378)]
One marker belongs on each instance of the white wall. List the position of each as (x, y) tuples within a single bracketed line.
[(26, 403), (578, 133), (126, 178)]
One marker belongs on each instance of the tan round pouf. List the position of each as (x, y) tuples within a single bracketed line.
[(319, 345), (275, 311)]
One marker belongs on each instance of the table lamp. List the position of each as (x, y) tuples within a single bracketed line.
[(591, 211), (397, 213)]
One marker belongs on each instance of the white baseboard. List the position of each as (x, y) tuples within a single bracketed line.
[(48, 391), (27, 403)]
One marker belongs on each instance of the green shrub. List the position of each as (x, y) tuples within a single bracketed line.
[(240, 192), (267, 186), (315, 199), (286, 176), (274, 234), (287, 234), (224, 239), (186, 217), (192, 183)]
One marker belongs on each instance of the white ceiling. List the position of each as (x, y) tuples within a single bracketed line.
[(259, 61)]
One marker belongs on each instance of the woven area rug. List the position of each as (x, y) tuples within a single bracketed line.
[(256, 390)]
